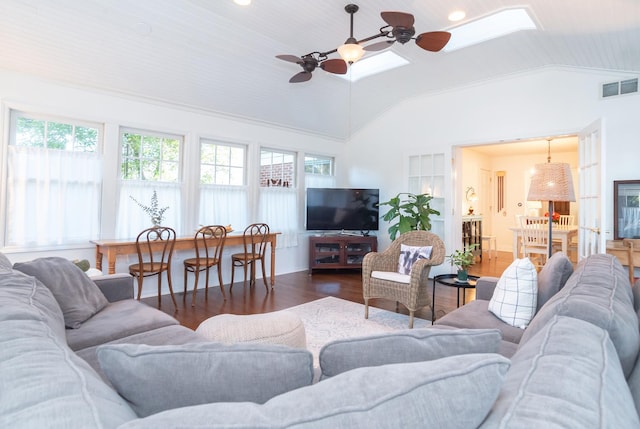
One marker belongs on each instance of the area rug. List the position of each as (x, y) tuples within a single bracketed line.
[(330, 318)]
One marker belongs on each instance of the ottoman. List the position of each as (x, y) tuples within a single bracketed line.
[(278, 327)]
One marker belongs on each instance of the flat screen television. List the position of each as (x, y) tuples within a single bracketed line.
[(342, 209)]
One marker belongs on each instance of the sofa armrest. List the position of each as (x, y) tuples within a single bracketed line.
[(485, 287), (115, 287)]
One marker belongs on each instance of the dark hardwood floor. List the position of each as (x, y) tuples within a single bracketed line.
[(297, 288)]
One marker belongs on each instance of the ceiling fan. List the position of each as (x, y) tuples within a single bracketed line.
[(399, 28)]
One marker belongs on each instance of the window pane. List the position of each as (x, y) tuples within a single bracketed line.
[(216, 162), (86, 139), (29, 132), (150, 157), (59, 136), (277, 168)]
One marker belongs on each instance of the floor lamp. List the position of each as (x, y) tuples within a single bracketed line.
[(551, 182)]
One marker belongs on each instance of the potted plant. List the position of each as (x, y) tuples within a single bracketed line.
[(156, 213), (411, 211), (463, 259)]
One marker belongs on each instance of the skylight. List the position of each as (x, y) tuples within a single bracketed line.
[(490, 27), (374, 64)]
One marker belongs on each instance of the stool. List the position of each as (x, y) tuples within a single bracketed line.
[(278, 327), (489, 239)]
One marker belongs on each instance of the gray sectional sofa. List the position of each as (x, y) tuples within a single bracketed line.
[(125, 365)]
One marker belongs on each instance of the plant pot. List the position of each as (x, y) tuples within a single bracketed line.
[(463, 275)]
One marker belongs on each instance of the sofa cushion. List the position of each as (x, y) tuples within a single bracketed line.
[(516, 294), (5, 263), (476, 315), (45, 385), (78, 297), (566, 376), (597, 292), (118, 320), (410, 345), (158, 378), (634, 377), (456, 392), (409, 255), (173, 334), (23, 297), (552, 277)]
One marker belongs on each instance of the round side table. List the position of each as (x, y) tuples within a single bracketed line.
[(451, 280)]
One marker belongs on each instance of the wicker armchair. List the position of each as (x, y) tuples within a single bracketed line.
[(412, 291)]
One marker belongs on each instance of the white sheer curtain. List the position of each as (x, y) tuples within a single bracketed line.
[(132, 219), (53, 196), (278, 207), (319, 181), (224, 205)]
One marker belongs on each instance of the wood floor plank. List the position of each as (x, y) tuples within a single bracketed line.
[(297, 288)]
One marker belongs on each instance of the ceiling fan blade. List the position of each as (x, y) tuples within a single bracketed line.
[(335, 66), (379, 46), (433, 40), (398, 19), (300, 77), (290, 58)]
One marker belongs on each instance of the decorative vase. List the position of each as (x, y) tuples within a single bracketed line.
[(463, 275)]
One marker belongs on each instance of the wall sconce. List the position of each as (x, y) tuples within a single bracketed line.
[(471, 198)]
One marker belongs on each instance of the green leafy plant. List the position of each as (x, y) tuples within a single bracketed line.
[(464, 258), (156, 213), (411, 211)]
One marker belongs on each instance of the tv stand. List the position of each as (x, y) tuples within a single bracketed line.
[(339, 251)]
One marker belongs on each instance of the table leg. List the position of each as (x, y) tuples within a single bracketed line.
[(273, 263), (98, 258), (516, 245), (111, 260), (458, 297)]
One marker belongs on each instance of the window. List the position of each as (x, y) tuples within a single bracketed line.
[(223, 194), (53, 181), (150, 161), (222, 164), (319, 172), (321, 165), (278, 205), (277, 168), (150, 157)]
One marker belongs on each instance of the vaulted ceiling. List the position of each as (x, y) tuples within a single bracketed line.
[(218, 56)]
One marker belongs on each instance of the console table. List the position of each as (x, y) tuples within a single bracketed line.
[(339, 251), (113, 248)]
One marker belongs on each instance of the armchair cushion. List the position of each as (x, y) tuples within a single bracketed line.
[(515, 297), (78, 296), (394, 277), (410, 254)]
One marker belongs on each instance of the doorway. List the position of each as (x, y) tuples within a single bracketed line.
[(512, 162)]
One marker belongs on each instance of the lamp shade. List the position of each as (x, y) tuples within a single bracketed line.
[(551, 182), (351, 52)]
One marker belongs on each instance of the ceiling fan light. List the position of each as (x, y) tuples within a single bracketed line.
[(351, 52)]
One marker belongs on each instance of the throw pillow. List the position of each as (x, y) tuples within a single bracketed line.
[(404, 346), (515, 297), (552, 277), (409, 255), (158, 378), (456, 392), (78, 297)]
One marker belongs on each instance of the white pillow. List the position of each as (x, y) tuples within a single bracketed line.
[(515, 297), (409, 255)]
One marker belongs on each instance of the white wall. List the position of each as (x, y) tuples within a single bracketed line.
[(537, 104), (114, 110)]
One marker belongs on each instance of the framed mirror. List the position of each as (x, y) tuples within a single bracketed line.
[(626, 209)]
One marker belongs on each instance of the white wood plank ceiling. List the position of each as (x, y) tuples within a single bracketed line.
[(217, 56)]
